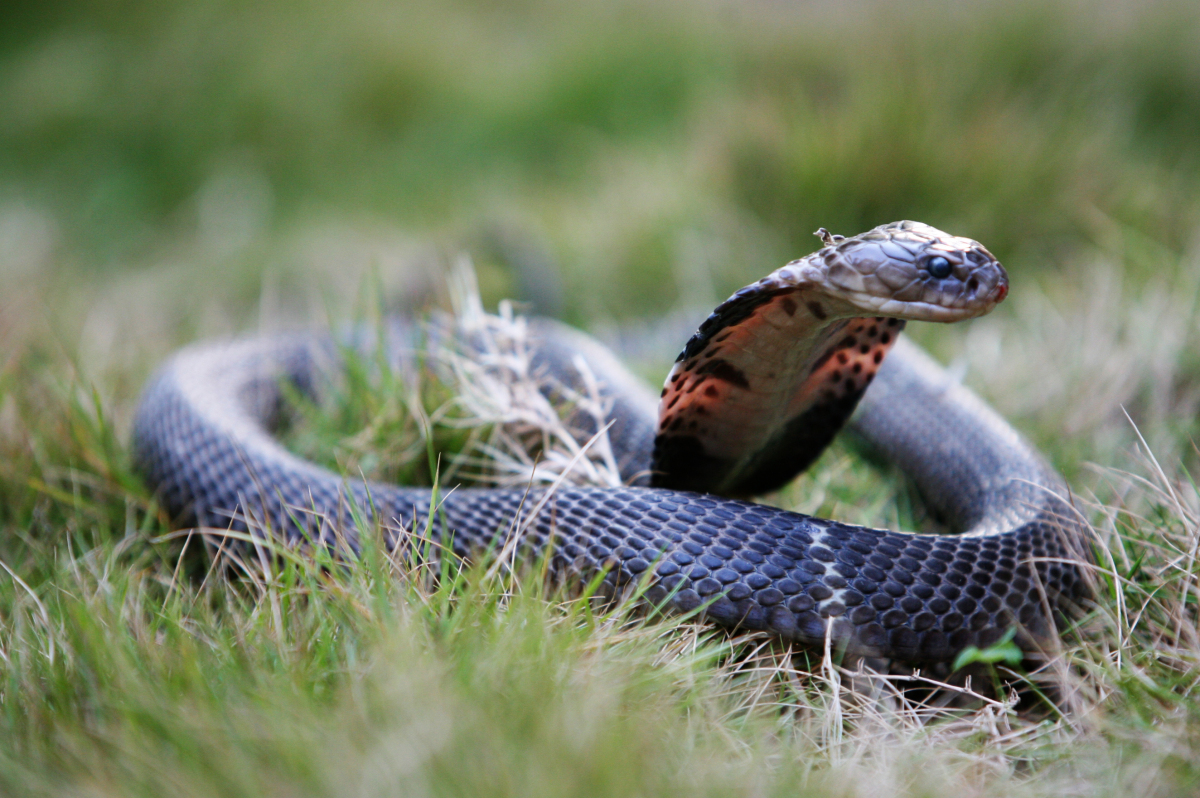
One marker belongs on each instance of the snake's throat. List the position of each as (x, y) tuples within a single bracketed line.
[(763, 390)]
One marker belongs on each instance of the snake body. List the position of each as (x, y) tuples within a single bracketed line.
[(202, 440)]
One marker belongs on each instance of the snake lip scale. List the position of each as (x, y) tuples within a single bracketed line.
[(802, 344)]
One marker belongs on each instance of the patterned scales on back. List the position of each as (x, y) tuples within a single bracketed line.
[(787, 373)]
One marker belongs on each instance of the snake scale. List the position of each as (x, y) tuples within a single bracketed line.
[(757, 392)]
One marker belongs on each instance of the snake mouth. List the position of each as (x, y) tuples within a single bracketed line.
[(917, 310)]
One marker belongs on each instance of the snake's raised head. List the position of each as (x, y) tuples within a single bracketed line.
[(904, 270), (776, 370)]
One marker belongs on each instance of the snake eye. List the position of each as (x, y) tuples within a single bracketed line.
[(938, 267)]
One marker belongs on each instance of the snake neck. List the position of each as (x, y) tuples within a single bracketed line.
[(761, 389)]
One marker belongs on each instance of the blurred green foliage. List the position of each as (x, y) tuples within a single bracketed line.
[(1030, 126)]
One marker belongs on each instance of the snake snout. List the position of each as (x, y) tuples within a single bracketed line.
[(976, 281)]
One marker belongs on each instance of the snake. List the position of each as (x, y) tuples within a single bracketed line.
[(756, 394)]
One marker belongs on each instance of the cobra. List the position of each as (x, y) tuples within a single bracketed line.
[(756, 394)]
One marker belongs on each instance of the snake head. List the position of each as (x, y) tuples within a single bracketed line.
[(905, 270)]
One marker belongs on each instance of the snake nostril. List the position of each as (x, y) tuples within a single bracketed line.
[(972, 284)]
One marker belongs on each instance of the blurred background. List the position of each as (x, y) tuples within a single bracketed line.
[(171, 170)]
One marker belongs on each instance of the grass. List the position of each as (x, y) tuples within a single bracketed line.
[(175, 171)]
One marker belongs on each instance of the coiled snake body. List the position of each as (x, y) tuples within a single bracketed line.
[(757, 393)]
